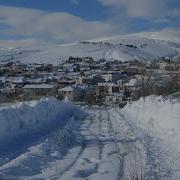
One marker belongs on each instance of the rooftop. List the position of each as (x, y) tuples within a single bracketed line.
[(39, 86)]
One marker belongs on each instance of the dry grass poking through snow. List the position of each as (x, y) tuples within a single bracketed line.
[(135, 175)]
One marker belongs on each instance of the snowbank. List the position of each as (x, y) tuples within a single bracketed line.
[(35, 118), (155, 114), (158, 118)]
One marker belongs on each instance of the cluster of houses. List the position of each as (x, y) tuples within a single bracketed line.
[(85, 80)]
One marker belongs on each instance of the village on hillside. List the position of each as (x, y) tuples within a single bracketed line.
[(89, 81)]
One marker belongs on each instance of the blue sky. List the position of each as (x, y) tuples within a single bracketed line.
[(87, 9), (59, 21)]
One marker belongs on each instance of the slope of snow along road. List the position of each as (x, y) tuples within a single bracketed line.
[(108, 48), (159, 118), (36, 117), (25, 124)]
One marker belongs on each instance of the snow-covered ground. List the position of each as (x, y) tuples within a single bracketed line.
[(159, 118), (93, 148), (147, 49), (22, 125), (95, 143), (35, 117)]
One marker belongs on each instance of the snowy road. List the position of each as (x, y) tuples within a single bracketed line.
[(102, 146)]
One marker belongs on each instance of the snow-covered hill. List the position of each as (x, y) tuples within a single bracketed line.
[(124, 47)]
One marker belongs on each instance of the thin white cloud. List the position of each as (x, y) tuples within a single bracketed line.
[(75, 2), (27, 42), (166, 34), (144, 8), (56, 27)]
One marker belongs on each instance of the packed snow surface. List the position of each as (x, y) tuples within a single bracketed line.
[(146, 49)]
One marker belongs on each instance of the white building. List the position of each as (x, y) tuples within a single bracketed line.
[(71, 93)]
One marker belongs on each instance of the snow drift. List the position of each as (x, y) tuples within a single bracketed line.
[(159, 118), (156, 115), (23, 121)]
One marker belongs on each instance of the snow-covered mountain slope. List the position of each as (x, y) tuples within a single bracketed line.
[(124, 47), (168, 35)]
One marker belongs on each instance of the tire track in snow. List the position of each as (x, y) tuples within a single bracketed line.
[(95, 120), (120, 156), (91, 120), (71, 165), (68, 168), (105, 119), (100, 126), (124, 141), (100, 144)]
